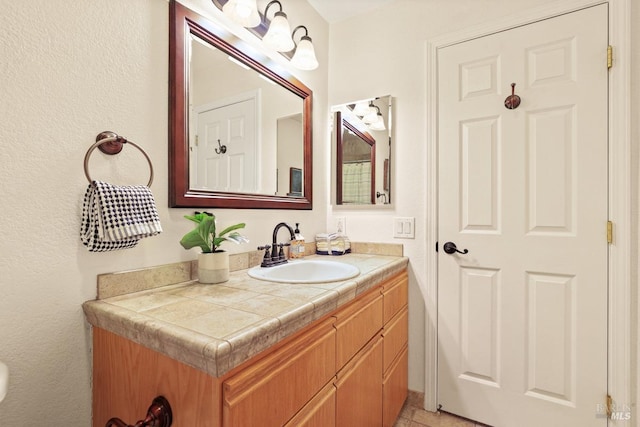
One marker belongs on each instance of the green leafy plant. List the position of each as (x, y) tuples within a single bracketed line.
[(204, 235)]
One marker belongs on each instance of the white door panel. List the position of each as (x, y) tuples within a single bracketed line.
[(522, 317), (235, 170)]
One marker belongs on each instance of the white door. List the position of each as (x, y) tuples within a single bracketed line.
[(522, 317), (232, 168)]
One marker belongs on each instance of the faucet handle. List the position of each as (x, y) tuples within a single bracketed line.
[(266, 248), (281, 252)]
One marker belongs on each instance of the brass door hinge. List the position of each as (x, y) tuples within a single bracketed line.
[(609, 56), (197, 140), (609, 406), (609, 232)]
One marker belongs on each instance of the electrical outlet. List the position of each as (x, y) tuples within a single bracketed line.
[(404, 227), (341, 224)]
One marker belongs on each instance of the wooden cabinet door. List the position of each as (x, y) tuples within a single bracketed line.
[(359, 388), (319, 412), (272, 390), (395, 334), (395, 389), (356, 324), (127, 377), (395, 293)]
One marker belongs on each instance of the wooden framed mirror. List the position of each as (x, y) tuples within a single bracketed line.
[(238, 122), (361, 139)]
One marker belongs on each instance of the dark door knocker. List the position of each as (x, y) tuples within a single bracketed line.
[(512, 101), (221, 148)]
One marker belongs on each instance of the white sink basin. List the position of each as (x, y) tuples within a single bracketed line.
[(306, 271)]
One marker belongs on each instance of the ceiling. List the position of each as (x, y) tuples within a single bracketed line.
[(337, 10)]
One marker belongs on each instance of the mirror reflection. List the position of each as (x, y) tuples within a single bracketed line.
[(239, 124), (245, 131), (361, 138)]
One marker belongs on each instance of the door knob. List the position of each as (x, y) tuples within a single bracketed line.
[(451, 248)]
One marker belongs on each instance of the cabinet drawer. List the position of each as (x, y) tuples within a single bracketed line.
[(319, 412), (274, 389), (395, 334), (355, 325), (395, 295), (395, 389), (359, 395)]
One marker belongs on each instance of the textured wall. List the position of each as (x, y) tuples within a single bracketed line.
[(68, 70)]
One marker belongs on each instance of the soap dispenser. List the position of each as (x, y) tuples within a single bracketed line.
[(297, 244)]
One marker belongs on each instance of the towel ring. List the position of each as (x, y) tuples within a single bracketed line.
[(112, 143)]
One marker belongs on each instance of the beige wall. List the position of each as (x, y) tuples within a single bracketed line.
[(375, 55), (70, 69)]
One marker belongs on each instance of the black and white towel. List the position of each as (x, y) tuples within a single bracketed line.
[(117, 217)]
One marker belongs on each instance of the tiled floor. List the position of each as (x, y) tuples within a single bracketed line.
[(412, 415)]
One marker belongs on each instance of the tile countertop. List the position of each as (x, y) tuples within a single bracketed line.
[(215, 328)]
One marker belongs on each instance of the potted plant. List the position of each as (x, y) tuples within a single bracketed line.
[(213, 262)]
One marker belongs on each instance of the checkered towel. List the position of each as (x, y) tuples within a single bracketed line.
[(116, 217)]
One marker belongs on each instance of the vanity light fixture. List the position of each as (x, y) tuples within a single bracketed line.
[(278, 37), (275, 34), (243, 12), (371, 116), (361, 109), (378, 123), (304, 57)]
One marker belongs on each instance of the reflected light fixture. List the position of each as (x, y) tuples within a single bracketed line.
[(361, 109), (278, 37), (371, 114), (304, 57), (243, 12), (373, 117), (378, 124)]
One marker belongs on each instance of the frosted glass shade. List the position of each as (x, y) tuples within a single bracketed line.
[(243, 12), (371, 117), (361, 109), (305, 56), (278, 36), (378, 123)]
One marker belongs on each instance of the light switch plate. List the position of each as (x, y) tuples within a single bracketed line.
[(404, 227)]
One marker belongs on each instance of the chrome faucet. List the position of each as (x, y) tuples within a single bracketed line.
[(276, 257)]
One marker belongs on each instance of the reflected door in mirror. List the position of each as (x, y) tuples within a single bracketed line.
[(223, 157)]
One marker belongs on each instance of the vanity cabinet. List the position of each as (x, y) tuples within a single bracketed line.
[(348, 369), (271, 391), (359, 388), (395, 377)]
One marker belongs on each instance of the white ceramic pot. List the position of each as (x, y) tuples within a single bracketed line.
[(213, 267)]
